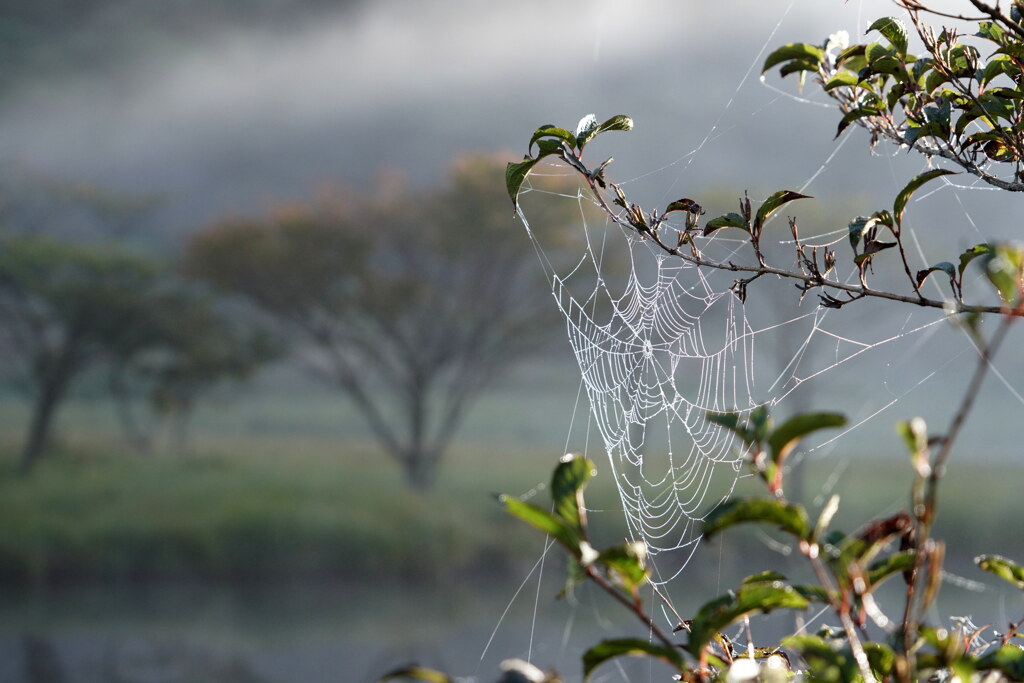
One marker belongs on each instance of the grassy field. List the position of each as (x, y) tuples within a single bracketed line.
[(282, 487), (254, 508)]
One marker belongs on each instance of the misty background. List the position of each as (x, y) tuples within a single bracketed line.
[(146, 125)]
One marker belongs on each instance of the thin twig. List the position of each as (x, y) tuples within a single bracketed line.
[(937, 470), (633, 607)]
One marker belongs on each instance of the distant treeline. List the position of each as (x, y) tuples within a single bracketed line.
[(408, 303)]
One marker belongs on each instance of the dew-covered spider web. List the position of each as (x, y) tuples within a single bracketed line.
[(660, 342)]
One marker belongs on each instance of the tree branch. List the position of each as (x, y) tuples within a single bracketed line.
[(812, 280)]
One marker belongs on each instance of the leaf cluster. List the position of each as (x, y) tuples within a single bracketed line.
[(963, 99)]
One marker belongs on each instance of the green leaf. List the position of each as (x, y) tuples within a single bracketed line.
[(760, 422), (685, 204), (903, 197), (719, 613), (1003, 268), (629, 647), (875, 52), (515, 175), (1002, 567), (416, 673), (892, 98), (894, 31), (881, 659), (589, 128), (617, 122), (881, 570), (889, 66), (963, 58), (729, 220), (854, 115), (1009, 659), (851, 58), (554, 132), (790, 518), (553, 525), (998, 65), (731, 421), (869, 541), (788, 434), (883, 217), (858, 226), (991, 31), (764, 576), (813, 593), (971, 254), (628, 563), (567, 484), (825, 661), (792, 51), (798, 66), (834, 661), (841, 79), (945, 266), (773, 204)]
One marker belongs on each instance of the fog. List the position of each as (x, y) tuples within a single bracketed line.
[(236, 117)]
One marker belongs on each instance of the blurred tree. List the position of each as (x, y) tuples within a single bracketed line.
[(192, 347), (69, 309), (410, 303), (64, 307)]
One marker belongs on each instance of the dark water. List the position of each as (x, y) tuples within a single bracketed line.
[(309, 633), (331, 632)]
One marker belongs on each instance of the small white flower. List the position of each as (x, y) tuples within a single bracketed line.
[(840, 40), (743, 670)]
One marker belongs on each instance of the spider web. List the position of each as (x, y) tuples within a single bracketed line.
[(660, 343)]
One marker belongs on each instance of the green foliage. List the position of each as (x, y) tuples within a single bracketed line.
[(770, 446), (554, 141), (624, 566), (628, 647), (756, 595), (790, 518), (256, 509), (68, 308), (72, 309), (951, 102), (1003, 568)]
